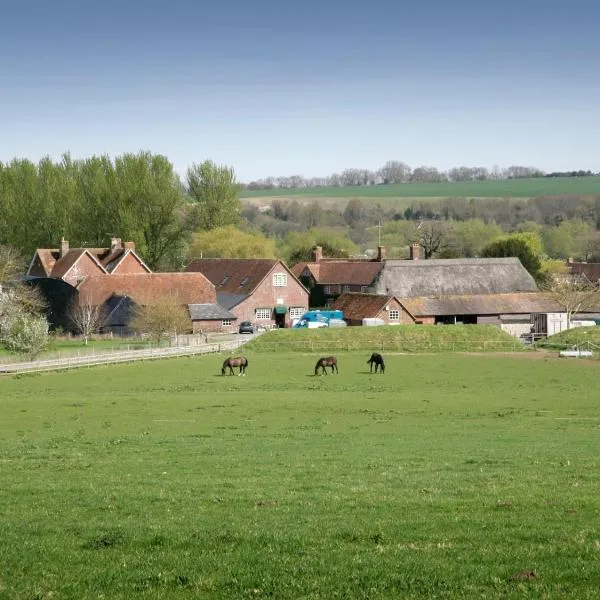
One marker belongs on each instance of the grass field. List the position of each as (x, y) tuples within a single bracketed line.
[(450, 476), (583, 337), (396, 338), (510, 188)]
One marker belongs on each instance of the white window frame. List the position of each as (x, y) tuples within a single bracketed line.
[(263, 314), (279, 279), (346, 288), (296, 312), (226, 322), (394, 314), (364, 288)]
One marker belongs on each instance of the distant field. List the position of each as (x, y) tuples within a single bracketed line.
[(514, 188), (449, 477)]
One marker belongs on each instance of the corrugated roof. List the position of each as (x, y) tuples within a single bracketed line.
[(145, 288), (360, 306), (446, 277), (483, 304), (209, 312)]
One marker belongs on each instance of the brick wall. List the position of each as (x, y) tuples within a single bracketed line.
[(82, 268), (129, 264), (266, 296), (213, 327)]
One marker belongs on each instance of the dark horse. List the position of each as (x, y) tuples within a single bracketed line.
[(238, 361), (326, 361), (377, 360)]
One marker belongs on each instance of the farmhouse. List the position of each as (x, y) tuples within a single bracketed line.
[(262, 291), (74, 264), (327, 278), (358, 306)]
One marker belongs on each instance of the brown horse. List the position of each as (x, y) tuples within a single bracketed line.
[(326, 361), (377, 360), (238, 361)]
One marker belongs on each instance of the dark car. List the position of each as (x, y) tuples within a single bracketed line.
[(246, 327)]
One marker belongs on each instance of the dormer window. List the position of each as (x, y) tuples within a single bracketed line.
[(244, 281)]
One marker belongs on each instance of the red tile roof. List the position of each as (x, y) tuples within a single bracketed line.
[(145, 288), (238, 276), (358, 306), (341, 271)]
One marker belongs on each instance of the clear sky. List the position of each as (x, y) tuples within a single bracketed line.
[(308, 87)]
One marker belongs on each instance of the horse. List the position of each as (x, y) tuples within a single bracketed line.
[(377, 360), (326, 361), (238, 361)]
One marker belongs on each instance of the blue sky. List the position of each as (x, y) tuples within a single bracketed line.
[(307, 88)]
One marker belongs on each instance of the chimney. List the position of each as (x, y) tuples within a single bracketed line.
[(129, 245), (64, 247), (317, 254), (415, 250), (115, 244), (380, 253)]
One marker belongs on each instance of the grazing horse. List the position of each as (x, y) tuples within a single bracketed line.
[(377, 360), (326, 361), (238, 361)]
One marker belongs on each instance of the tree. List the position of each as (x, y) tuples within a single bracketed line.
[(26, 334), (521, 246), (573, 292), (230, 242), (394, 171), (215, 191), (86, 318), (165, 316), (297, 247), (432, 236)]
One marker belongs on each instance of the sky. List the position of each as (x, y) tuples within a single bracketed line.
[(309, 88)]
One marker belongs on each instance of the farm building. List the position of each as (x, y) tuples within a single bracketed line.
[(452, 277), (358, 306), (590, 270), (328, 278), (262, 291)]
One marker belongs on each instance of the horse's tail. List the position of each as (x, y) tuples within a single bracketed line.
[(246, 361)]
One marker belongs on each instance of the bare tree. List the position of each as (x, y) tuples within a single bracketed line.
[(163, 317), (86, 318), (574, 293), (432, 236)]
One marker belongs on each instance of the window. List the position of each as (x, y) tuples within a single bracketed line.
[(363, 288), (346, 288), (263, 313), (296, 312), (279, 279), (244, 281), (394, 315), (226, 322), (225, 280)]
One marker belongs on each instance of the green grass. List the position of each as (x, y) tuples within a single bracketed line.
[(394, 338), (584, 337), (442, 478), (510, 188)]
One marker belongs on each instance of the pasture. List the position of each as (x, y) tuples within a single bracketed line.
[(451, 476), (508, 188)]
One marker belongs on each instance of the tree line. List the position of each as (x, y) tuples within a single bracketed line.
[(395, 171)]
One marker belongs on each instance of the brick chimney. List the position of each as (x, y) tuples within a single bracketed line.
[(64, 247), (115, 244), (415, 251), (380, 253), (129, 245), (317, 254)]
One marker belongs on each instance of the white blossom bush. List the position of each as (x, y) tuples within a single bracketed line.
[(25, 334)]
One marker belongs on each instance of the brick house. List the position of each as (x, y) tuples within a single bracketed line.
[(74, 264), (262, 291), (358, 306), (328, 278)]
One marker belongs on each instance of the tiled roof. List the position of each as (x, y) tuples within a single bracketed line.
[(145, 288), (209, 312), (590, 270), (57, 267), (482, 304), (236, 276), (360, 306), (340, 271)]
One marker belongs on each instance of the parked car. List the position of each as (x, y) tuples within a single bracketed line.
[(246, 327)]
